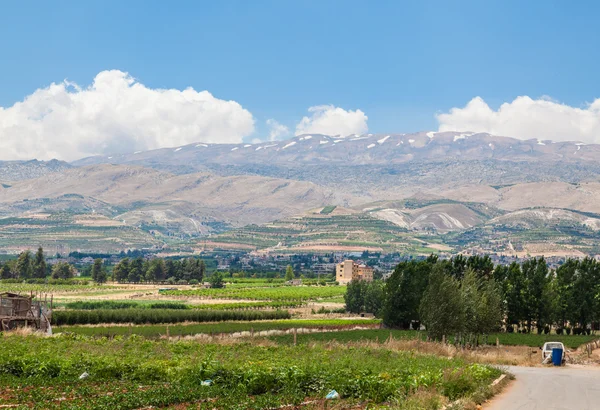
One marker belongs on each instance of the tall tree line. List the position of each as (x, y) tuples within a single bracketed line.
[(470, 296), (159, 270)]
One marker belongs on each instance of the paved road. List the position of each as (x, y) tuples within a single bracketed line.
[(543, 388)]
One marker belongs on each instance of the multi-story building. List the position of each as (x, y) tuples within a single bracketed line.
[(348, 270)]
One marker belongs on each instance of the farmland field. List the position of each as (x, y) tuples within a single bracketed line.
[(299, 293), (134, 373)]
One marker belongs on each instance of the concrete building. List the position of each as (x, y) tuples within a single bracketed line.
[(348, 270)]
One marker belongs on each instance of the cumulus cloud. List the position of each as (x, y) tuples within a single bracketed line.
[(330, 120), (276, 130), (526, 118), (116, 114)]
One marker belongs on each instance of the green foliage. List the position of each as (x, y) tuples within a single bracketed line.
[(243, 376), (114, 304), (442, 309), (99, 271), (139, 316), (265, 292), (63, 270), (216, 280), (39, 264), (24, 267), (289, 273), (362, 296), (404, 290)]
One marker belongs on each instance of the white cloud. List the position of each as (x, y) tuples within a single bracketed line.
[(116, 114), (330, 120), (526, 118), (276, 130)]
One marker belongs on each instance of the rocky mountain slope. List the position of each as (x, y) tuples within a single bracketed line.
[(20, 170), (448, 190)]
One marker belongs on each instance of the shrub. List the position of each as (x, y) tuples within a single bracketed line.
[(568, 330), (559, 330)]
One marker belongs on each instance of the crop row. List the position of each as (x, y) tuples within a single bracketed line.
[(298, 293), (139, 316), (122, 304), (129, 304), (155, 331)]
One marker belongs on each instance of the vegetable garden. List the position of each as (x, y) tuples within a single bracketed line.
[(133, 373)]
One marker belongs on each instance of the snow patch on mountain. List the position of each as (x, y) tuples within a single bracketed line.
[(384, 139)]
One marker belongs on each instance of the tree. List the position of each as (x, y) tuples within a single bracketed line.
[(216, 280), (374, 297), (39, 264), (354, 296), (565, 277), (136, 270), (6, 272), (156, 271), (24, 268), (98, 271), (537, 294), (121, 271), (403, 292), (584, 303), (441, 308), (482, 305), (289, 273), (63, 270), (515, 294)]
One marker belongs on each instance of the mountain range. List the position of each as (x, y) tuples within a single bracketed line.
[(421, 192)]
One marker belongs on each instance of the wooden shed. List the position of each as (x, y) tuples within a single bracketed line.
[(23, 311)]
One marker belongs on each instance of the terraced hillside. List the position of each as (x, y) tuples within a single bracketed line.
[(68, 232), (338, 230)]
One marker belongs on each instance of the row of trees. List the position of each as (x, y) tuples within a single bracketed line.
[(470, 296), (159, 270), (27, 266), (34, 266)]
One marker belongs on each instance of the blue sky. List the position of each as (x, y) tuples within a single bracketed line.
[(398, 62)]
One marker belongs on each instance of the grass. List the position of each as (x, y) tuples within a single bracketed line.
[(381, 335), (155, 331), (133, 373)]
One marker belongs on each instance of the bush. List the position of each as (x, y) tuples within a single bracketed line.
[(559, 330), (568, 330), (182, 282), (546, 330), (194, 282), (510, 329)]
